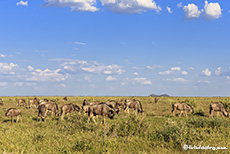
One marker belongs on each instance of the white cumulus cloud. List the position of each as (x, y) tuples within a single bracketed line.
[(177, 80), (206, 72), (217, 72), (169, 9), (6, 68), (184, 73), (175, 69), (3, 83), (22, 3), (212, 10), (111, 78), (179, 5), (130, 6), (75, 5), (191, 11)]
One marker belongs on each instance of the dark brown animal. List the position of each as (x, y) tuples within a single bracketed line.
[(133, 104), (65, 98), (182, 107), (68, 108), (42, 112), (22, 101), (101, 109), (12, 112), (219, 107)]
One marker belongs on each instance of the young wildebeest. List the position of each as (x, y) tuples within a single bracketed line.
[(182, 107), (42, 111), (68, 108), (22, 101), (14, 112), (133, 104), (101, 109), (219, 107)]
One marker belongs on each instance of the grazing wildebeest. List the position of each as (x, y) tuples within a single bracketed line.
[(113, 105), (121, 104), (219, 107), (101, 109), (133, 104), (42, 111), (68, 108), (182, 107), (14, 112), (86, 108), (85, 102), (1, 102), (65, 98), (22, 101), (156, 99), (33, 103), (53, 107)]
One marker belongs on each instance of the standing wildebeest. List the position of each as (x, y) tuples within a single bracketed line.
[(219, 107), (85, 102), (42, 111), (113, 105), (14, 112), (33, 103), (1, 102), (101, 109), (133, 104), (52, 107), (68, 108), (121, 104), (182, 107), (65, 98), (22, 101), (85, 108), (156, 99)]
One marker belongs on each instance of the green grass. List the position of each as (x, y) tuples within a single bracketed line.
[(154, 131)]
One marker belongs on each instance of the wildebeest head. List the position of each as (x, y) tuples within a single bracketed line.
[(76, 108), (111, 114)]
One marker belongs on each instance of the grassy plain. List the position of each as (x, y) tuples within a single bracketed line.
[(154, 131)]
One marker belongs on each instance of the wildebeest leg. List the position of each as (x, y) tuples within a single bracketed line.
[(94, 120), (12, 119), (217, 114), (17, 119), (62, 116), (103, 119), (211, 114), (180, 113), (21, 117)]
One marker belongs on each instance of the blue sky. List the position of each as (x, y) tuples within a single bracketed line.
[(114, 47)]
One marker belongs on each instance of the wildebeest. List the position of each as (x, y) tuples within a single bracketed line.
[(42, 111), (22, 101), (12, 112), (101, 109), (133, 104), (156, 99), (85, 108), (121, 104), (182, 107), (33, 103), (68, 108), (85, 102), (65, 98), (113, 104), (219, 107), (1, 102), (52, 107)]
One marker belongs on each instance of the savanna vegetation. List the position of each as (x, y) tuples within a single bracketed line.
[(153, 131)]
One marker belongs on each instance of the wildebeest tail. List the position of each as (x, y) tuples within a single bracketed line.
[(173, 108)]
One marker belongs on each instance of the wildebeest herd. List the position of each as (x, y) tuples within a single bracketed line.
[(108, 108)]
